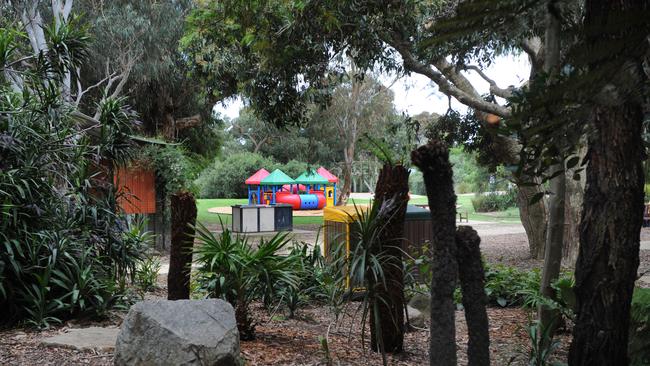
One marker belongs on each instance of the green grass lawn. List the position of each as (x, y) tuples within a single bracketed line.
[(207, 218)]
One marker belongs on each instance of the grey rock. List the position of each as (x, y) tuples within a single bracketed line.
[(417, 318), (96, 338), (181, 332), (421, 302)]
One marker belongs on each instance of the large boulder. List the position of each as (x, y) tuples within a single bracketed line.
[(419, 310), (181, 332)]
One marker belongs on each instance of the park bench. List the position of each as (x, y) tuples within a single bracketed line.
[(462, 215)]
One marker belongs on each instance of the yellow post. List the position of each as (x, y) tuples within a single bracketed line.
[(329, 196)]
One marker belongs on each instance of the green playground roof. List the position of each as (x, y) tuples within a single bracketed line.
[(311, 177), (277, 178)]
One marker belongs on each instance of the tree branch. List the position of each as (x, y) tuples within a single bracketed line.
[(494, 88), (467, 98)]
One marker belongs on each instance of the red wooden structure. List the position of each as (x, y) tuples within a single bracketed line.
[(136, 187)]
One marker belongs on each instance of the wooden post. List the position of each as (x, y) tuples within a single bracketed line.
[(472, 285)]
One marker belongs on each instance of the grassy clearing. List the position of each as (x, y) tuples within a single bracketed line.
[(465, 201)]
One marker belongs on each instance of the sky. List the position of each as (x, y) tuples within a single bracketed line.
[(416, 93)]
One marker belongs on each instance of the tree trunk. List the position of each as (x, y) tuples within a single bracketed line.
[(609, 238), (344, 192), (391, 194), (572, 213), (553, 254), (612, 214), (472, 284), (183, 208), (433, 161), (533, 218), (244, 322), (555, 233), (575, 190)]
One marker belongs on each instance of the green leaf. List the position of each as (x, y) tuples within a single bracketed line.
[(502, 302), (536, 198)]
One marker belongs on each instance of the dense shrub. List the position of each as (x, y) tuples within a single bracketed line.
[(64, 250), (225, 178), (639, 346), (494, 201)]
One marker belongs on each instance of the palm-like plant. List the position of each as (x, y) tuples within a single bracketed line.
[(366, 263), (231, 269)]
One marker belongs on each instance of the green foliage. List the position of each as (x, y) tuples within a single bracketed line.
[(146, 273), (542, 345), (139, 39), (364, 265), (495, 201), (310, 273), (639, 345), (235, 271), (225, 178), (416, 183), (64, 250), (174, 170)]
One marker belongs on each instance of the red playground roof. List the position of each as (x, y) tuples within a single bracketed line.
[(327, 175), (256, 178)]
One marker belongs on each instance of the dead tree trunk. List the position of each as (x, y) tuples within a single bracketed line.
[(183, 208), (433, 161), (391, 195), (472, 285)]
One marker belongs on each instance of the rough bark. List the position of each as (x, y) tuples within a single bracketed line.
[(533, 218), (572, 212), (575, 190), (245, 324), (183, 208), (391, 194), (609, 238), (472, 285), (433, 161), (612, 214)]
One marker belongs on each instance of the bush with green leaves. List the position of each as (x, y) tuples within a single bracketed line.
[(232, 269), (146, 274), (225, 178), (639, 344), (494, 201), (64, 248), (504, 285), (310, 271)]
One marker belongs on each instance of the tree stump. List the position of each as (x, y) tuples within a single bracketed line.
[(472, 285), (433, 161), (183, 206), (391, 195)]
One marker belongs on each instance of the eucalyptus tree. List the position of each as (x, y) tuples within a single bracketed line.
[(135, 50)]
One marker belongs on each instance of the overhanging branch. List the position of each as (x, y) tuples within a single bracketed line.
[(444, 84)]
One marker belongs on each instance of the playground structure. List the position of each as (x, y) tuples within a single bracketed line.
[(312, 190)]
